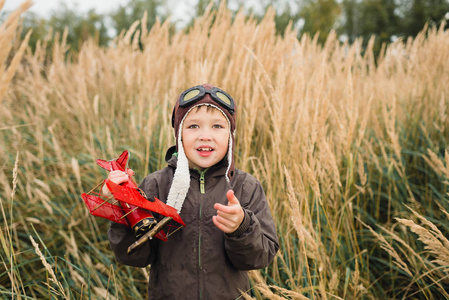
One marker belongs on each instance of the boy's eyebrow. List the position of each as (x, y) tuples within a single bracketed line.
[(198, 119)]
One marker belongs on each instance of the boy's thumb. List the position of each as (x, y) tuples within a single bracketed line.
[(130, 172)]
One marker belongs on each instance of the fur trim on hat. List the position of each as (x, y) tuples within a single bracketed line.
[(181, 179)]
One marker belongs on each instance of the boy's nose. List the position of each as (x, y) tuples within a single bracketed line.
[(205, 135)]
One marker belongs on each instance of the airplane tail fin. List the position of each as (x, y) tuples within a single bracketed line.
[(118, 164), (107, 165), (122, 160)]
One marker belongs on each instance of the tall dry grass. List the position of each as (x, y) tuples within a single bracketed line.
[(351, 150)]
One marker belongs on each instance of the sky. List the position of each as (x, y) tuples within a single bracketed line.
[(180, 9), (45, 8)]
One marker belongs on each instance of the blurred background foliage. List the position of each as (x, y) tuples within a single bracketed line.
[(386, 20)]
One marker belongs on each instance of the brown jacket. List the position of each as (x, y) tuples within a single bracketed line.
[(199, 261)]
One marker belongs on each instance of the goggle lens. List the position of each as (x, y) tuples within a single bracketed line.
[(190, 95), (223, 98)]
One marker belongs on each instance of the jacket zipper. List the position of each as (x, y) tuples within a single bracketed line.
[(199, 250), (203, 191), (202, 185)]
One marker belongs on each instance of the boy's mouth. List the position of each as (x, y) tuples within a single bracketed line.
[(205, 151)]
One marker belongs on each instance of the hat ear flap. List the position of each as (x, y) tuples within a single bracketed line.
[(230, 158), (181, 179), (173, 116)]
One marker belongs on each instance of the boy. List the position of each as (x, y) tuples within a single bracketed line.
[(229, 228)]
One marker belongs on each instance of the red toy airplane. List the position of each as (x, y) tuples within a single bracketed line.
[(135, 209)]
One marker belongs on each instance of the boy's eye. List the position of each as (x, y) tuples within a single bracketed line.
[(217, 126), (193, 126)]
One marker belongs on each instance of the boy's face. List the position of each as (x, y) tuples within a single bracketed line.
[(205, 136)]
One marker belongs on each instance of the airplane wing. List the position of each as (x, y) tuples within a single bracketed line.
[(100, 208), (132, 196)]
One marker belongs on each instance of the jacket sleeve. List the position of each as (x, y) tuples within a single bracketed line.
[(121, 237), (255, 243)]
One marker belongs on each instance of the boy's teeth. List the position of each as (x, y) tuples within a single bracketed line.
[(205, 149)]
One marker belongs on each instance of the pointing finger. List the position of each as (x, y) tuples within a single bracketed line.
[(231, 198)]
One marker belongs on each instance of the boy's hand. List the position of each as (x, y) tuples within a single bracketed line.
[(229, 217), (117, 177)]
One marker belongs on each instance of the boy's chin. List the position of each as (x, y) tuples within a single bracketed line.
[(200, 167), (197, 167)]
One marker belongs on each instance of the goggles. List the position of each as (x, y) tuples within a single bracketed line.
[(196, 93)]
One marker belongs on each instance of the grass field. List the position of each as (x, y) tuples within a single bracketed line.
[(352, 152)]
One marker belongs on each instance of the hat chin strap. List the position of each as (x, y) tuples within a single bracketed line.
[(181, 179)]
